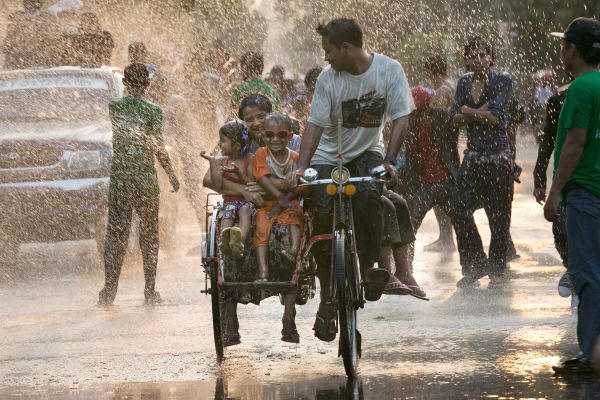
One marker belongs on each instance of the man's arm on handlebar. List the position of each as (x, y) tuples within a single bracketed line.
[(397, 136), (310, 141)]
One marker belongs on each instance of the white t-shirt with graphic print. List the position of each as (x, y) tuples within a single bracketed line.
[(363, 102)]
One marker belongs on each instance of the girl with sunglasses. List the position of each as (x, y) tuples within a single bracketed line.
[(274, 167)]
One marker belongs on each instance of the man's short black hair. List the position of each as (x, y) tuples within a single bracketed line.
[(32, 5), (136, 50), (477, 42), (136, 75), (277, 70), (590, 55), (280, 119), (342, 30), (252, 62), (436, 64)]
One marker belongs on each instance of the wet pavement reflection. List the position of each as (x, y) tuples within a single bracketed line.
[(484, 386), (55, 344)]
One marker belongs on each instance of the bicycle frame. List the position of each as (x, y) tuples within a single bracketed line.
[(343, 218)]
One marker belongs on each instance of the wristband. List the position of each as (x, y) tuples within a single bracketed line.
[(390, 160)]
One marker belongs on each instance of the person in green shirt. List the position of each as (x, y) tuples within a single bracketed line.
[(251, 68), (577, 181), (137, 140)]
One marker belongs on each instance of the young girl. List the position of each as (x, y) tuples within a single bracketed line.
[(274, 167), (253, 111), (235, 166)]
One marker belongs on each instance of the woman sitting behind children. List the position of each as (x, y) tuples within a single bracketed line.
[(235, 165), (274, 168)]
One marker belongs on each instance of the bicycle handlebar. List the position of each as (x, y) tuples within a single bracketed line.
[(357, 179)]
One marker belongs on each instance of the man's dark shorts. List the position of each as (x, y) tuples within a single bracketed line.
[(397, 228), (367, 211)]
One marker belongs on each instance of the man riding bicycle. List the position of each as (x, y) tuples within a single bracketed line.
[(359, 88)]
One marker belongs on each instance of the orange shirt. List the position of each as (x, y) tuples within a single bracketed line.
[(261, 163)]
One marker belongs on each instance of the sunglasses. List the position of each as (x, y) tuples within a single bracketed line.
[(280, 134)]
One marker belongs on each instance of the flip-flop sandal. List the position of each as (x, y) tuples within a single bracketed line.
[(417, 292), (375, 281), (224, 242), (325, 327), (235, 242), (394, 286)]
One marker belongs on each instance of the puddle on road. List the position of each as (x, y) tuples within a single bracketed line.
[(500, 385)]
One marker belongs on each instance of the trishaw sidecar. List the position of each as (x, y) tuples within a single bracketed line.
[(234, 279)]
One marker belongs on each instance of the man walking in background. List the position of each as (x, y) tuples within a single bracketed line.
[(137, 139)]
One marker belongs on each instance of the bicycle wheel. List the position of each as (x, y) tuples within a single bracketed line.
[(349, 346), (215, 297)]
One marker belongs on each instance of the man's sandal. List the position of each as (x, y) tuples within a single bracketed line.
[(325, 326), (417, 292), (375, 281), (394, 286)]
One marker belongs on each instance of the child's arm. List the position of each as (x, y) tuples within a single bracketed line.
[(270, 188), (216, 177), (281, 184), (234, 169)]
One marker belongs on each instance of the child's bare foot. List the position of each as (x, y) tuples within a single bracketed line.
[(289, 333)]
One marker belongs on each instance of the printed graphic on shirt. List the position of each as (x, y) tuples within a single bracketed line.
[(366, 112)]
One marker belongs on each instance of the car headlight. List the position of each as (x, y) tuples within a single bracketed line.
[(85, 160)]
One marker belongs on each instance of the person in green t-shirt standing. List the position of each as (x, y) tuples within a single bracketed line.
[(137, 139), (251, 69), (577, 181)]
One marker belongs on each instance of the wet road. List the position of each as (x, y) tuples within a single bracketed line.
[(56, 344)]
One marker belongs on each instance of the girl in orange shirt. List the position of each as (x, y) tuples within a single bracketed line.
[(274, 168)]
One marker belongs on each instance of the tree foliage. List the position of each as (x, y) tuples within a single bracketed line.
[(408, 29)]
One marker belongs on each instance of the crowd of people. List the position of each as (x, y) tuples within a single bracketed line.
[(365, 89), (55, 37), (279, 127), (282, 127)]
